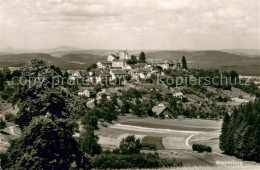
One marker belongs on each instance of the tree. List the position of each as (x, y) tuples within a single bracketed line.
[(234, 76), (45, 117), (93, 66), (44, 144), (88, 142), (9, 117), (16, 73), (125, 107), (142, 57), (91, 120), (184, 63), (2, 81), (8, 74), (41, 97), (56, 69), (133, 60), (224, 133), (8, 93), (130, 145), (114, 100), (158, 68)]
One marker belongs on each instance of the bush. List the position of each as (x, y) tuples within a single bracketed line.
[(9, 117), (2, 124), (184, 99), (201, 148), (4, 160), (130, 145), (120, 161)]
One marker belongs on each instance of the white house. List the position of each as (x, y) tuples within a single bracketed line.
[(102, 74), (140, 73), (161, 109), (178, 95), (117, 74), (103, 64), (165, 64), (84, 91), (127, 67), (111, 57), (118, 63), (97, 75), (74, 74), (100, 65)]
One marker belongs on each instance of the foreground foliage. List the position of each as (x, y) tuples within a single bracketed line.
[(140, 160), (128, 156)]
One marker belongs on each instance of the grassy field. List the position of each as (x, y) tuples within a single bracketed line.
[(174, 124), (157, 141)]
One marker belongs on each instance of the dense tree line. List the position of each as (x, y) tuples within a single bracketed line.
[(240, 133)]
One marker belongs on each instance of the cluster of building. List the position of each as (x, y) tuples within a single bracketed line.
[(115, 66)]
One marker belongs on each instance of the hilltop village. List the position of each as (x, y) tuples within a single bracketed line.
[(121, 73)]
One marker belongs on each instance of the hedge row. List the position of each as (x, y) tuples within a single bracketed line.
[(201, 148)]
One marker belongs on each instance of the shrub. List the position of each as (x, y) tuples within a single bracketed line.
[(120, 161), (201, 148), (9, 117), (4, 160), (2, 124), (130, 145)]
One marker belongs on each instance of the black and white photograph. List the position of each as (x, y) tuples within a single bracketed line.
[(129, 84)]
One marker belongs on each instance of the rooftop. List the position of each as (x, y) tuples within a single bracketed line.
[(119, 72), (158, 109)]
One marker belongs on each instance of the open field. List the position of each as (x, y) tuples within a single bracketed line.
[(176, 136), (175, 124)]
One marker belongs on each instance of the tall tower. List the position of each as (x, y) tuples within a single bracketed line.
[(122, 55), (127, 57)]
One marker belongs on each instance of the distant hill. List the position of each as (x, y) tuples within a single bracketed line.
[(23, 59), (195, 59), (204, 58), (96, 52), (86, 59), (63, 48), (83, 52), (213, 60), (245, 52)]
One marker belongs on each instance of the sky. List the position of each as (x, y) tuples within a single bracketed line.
[(130, 24)]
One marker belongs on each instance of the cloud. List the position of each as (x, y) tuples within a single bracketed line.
[(129, 24)]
